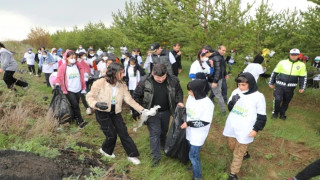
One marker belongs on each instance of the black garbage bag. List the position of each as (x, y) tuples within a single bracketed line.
[(176, 143), (60, 107)]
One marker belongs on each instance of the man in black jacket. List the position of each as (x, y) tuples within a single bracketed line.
[(162, 89), (161, 56), (176, 67), (219, 76)]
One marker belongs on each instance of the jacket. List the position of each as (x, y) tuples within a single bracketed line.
[(287, 73), (177, 65), (7, 61), (62, 79), (219, 67), (101, 91), (49, 59), (163, 58), (144, 92)]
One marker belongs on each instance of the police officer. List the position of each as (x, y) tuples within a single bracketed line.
[(286, 76)]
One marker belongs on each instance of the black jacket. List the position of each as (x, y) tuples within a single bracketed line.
[(219, 67), (144, 92), (177, 65)]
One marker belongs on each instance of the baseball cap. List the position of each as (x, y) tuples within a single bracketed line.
[(295, 51), (154, 46)]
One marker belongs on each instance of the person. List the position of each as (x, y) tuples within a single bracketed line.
[(80, 49), (123, 49), (255, 67), (37, 59), (70, 80), (159, 88), (247, 117), (199, 117), (312, 170), (8, 67), (106, 97), (30, 56), (56, 59), (46, 64), (102, 63), (146, 64), (133, 74), (200, 67), (286, 76), (161, 56), (99, 52), (176, 67), (110, 49), (125, 61), (218, 78), (137, 54)]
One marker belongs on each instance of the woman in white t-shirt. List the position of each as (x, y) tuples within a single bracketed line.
[(199, 116), (255, 67), (29, 56), (46, 64), (199, 69)]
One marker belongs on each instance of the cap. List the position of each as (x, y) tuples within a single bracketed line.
[(154, 46), (295, 51), (29, 49)]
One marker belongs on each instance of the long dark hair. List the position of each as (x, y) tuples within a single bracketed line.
[(1, 45), (202, 52), (112, 71), (132, 59)]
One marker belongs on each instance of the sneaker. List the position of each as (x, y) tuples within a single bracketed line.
[(274, 116), (107, 155), (247, 156), (37, 75), (134, 160), (82, 124), (30, 73), (155, 162), (232, 177), (283, 117), (88, 111)]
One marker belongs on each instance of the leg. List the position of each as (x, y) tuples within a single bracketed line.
[(126, 141), (33, 70), (84, 101), (108, 129), (287, 96), (47, 75), (194, 156), (9, 79), (218, 95), (39, 71), (224, 89), (278, 98), (74, 102), (310, 171), (29, 68), (232, 143), (238, 153), (165, 119), (154, 127)]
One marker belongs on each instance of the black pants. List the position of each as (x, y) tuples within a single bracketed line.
[(84, 101), (310, 171), (47, 75), (32, 69), (10, 80), (282, 98), (39, 70), (224, 90), (74, 102), (113, 125), (158, 127)]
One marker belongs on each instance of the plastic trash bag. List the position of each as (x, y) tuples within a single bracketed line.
[(176, 142), (60, 107)]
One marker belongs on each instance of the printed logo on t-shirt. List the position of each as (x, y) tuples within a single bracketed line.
[(113, 100), (73, 75), (190, 113), (240, 111)]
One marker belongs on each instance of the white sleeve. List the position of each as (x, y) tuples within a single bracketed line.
[(193, 69), (171, 58), (139, 59), (25, 55)]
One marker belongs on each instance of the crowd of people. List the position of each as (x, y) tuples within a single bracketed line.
[(103, 81)]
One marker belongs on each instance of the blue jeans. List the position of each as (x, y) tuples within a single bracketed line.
[(194, 156)]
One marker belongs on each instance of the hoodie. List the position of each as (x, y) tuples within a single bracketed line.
[(7, 61), (255, 68), (49, 59), (59, 52), (200, 88)]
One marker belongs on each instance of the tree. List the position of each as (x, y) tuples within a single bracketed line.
[(39, 37)]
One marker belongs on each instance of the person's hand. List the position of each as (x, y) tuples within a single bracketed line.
[(1, 70), (226, 77), (135, 114), (253, 133), (179, 53), (271, 86), (83, 91), (180, 105), (211, 62), (57, 87), (214, 85), (102, 105), (235, 98), (301, 91), (180, 71), (184, 125)]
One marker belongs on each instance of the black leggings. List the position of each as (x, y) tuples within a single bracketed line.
[(74, 102), (310, 171), (32, 69), (10, 80)]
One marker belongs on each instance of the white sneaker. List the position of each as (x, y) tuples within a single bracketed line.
[(30, 73), (134, 160), (37, 75), (107, 155), (88, 111)]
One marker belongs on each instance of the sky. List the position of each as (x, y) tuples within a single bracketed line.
[(19, 16)]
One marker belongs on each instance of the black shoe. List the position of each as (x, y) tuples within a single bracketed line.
[(274, 116), (155, 162), (283, 117), (247, 156), (232, 177), (82, 124)]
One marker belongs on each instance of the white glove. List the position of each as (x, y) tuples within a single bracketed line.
[(83, 91)]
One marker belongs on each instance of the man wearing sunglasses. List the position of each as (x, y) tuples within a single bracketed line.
[(286, 76)]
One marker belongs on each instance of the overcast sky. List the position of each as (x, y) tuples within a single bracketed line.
[(18, 16)]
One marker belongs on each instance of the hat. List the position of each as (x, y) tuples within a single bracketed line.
[(29, 49), (295, 51), (154, 46)]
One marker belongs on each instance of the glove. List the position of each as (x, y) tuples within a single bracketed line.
[(57, 87), (102, 105), (135, 115), (235, 98), (83, 91)]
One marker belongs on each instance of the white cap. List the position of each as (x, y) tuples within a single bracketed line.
[(295, 51)]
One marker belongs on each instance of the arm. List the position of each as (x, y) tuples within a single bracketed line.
[(233, 101), (197, 123), (179, 92), (217, 69), (260, 122), (139, 92), (275, 73), (303, 79), (92, 95), (6, 60), (128, 99), (172, 59)]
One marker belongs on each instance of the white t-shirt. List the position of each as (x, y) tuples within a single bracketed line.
[(146, 64), (243, 116), (201, 109), (125, 64), (73, 76), (101, 65), (172, 59), (57, 59), (255, 69), (114, 94), (47, 68), (133, 80), (196, 68), (29, 58)]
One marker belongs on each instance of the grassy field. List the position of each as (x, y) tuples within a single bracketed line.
[(279, 151)]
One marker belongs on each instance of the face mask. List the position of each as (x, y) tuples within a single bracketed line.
[(132, 65), (29, 52), (39, 52), (72, 61), (104, 58), (244, 91), (54, 53), (84, 58), (44, 56), (205, 59), (91, 54)]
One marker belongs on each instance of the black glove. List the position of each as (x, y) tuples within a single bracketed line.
[(233, 101), (135, 115), (57, 87), (102, 105), (210, 78)]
